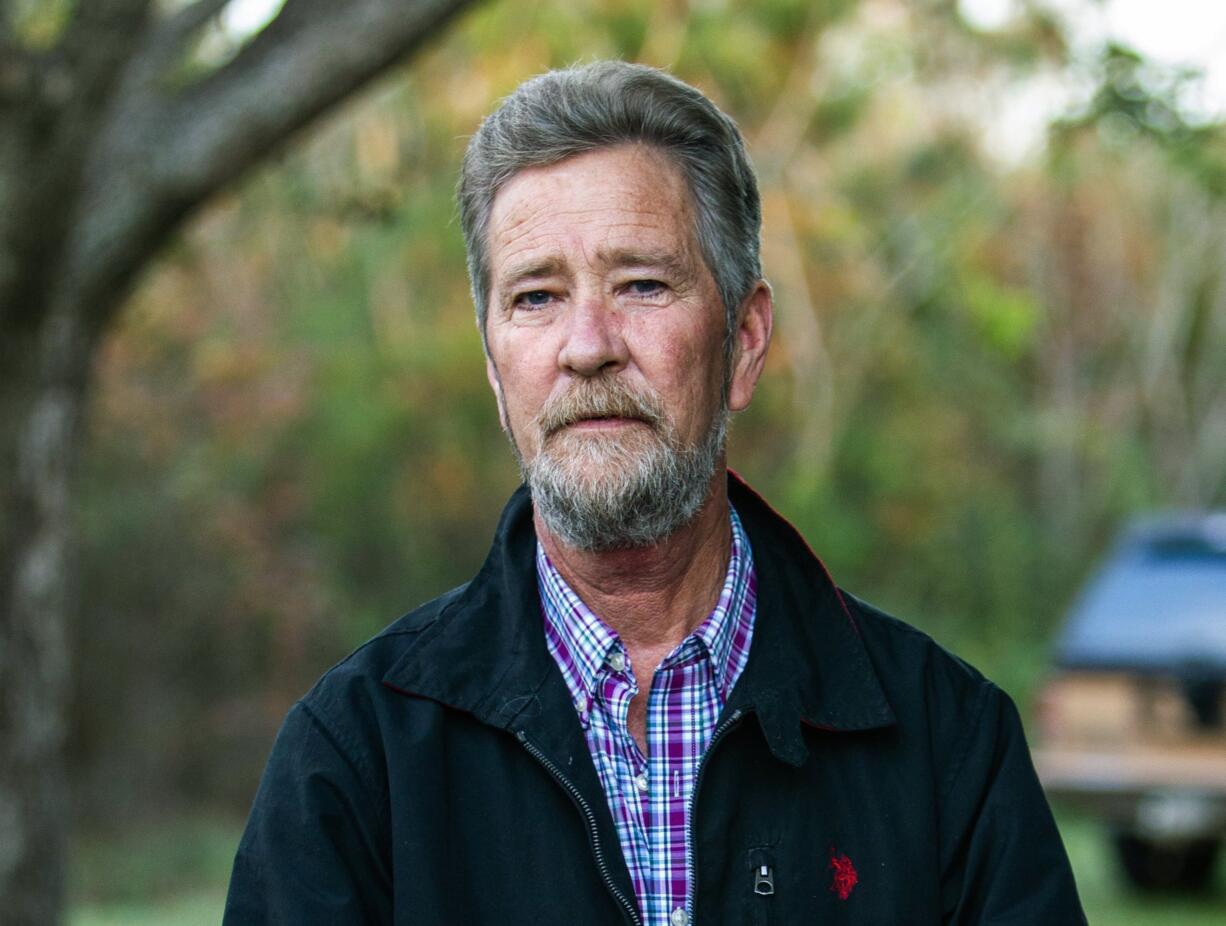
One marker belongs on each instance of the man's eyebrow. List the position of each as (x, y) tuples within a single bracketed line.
[(668, 261), (543, 268)]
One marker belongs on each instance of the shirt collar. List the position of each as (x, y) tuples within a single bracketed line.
[(726, 631), (481, 647), (580, 642)]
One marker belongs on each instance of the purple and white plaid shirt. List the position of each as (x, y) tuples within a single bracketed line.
[(650, 796)]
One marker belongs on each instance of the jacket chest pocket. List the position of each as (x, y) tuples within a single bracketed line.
[(760, 887), (781, 889)]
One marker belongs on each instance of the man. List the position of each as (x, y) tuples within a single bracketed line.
[(651, 705)]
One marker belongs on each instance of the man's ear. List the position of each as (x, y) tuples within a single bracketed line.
[(756, 319), (491, 374)]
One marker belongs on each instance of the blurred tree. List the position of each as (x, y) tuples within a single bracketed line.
[(301, 381), (983, 363), (114, 128)]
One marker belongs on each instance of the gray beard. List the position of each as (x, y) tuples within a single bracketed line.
[(595, 493)]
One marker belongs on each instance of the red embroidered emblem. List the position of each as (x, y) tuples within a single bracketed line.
[(845, 877)]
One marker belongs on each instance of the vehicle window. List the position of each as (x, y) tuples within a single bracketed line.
[(1158, 605)]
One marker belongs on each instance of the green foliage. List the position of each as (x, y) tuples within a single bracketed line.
[(979, 372), (1138, 102), (38, 24), (1005, 316)]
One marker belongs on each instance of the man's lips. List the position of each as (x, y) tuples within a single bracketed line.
[(603, 423), (599, 423)]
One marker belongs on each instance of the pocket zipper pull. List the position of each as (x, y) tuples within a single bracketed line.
[(764, 880)]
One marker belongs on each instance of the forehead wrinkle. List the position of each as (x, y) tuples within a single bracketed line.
[(536, 222), (538, 228), (533, 254)]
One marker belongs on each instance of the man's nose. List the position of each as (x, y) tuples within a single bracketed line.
[(594, 344)]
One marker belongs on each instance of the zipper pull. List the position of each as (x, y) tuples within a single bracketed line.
[(764, 880)]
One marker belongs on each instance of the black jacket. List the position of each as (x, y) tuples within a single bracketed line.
[(439, 775)]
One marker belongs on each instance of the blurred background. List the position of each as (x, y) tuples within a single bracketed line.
[(997, 236)]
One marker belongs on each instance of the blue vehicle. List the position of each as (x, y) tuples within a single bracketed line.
[(1132, 723)]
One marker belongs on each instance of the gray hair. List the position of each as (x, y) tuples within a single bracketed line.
[(563, 113)]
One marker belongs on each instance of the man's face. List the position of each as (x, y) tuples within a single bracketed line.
[(605, 334)]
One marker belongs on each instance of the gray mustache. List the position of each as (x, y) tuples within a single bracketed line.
[(599, 398)]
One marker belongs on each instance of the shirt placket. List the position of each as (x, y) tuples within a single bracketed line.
[(676, 714), (629, 776), (649, 797)]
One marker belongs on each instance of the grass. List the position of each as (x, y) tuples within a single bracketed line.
[(1108, 902), (175, 875), (201, 908)]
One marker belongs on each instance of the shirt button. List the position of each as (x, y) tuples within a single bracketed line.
[(581, 704), (640, 782), (679, 917), (617, 661)]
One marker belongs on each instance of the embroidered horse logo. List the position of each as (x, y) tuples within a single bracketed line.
[(845, 877)]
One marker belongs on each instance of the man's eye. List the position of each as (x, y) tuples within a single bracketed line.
[(534, 299), (646, 287)]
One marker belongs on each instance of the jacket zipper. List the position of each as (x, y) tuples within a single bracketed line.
[(592, 831), (733, 719)]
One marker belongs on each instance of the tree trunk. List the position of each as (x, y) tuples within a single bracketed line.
[(104, 152), (42, 374)]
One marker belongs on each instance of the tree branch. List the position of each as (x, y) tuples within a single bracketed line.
[(160, 156), (169, 37), (315, 53), (6, 27), (99, 39), (55, 104), (17, 75)]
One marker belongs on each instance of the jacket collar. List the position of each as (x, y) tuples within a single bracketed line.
[(807, 663), (486, 654)]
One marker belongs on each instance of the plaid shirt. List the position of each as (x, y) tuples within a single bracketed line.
[(650, 796)]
